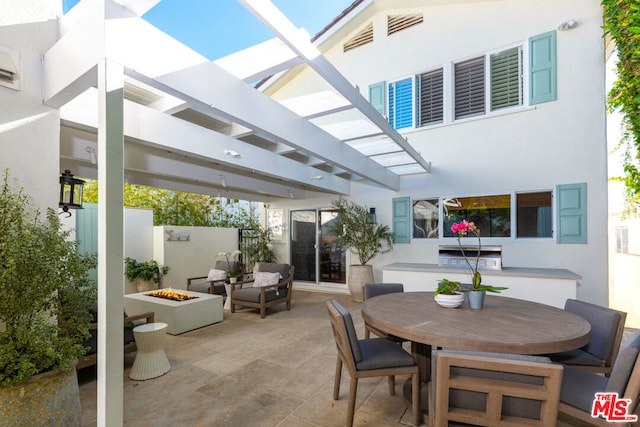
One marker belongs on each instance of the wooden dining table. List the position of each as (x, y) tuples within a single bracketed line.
[(503, 325)]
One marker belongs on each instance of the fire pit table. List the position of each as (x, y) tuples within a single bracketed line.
[(180, 316)]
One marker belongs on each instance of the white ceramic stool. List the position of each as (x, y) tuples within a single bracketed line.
[(151, 360)]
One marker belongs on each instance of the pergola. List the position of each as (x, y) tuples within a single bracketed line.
[(137, 105), (194, 125)]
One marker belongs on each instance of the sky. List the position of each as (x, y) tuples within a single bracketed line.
[(216, 28)]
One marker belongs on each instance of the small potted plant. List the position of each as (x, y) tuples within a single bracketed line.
[(448, 294), (234, 268), (147, 274)]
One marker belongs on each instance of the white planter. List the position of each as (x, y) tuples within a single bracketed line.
[(450, 301)]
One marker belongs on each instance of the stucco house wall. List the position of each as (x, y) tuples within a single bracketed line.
[(534, 148)]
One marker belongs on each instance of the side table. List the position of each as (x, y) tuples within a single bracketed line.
[(151, 360)]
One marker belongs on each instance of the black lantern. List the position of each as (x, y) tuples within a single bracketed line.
[(70, 191), (371, 218)]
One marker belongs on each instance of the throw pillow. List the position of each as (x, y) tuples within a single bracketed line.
[(215, 274), (262, 278)]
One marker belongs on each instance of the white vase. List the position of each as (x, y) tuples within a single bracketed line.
[(358, 276), (233, 279), (450, 301)]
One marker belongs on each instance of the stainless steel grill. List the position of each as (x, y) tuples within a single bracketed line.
[(490, 256)]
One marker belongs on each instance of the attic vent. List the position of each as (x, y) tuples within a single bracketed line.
[(397, 23), (9, 63), (363, 37)]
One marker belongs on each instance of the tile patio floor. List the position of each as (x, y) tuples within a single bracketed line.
[(246, 371)]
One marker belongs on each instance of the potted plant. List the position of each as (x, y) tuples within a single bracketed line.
[(478, 290), (448, 294), (234, 268), (259, 248), (46, 297), (146, 274), (355, 230)]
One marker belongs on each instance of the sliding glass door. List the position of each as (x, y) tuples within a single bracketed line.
[(314, 251)]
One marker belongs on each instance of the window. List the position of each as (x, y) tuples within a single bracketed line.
[(431, 98), (425, 219), (506, 78), (534, 214), (401, 103), (491, 214), (622, 240), (469, 97)]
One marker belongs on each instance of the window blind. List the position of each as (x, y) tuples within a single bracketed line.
[(401, 103), (469, 96), (431, 97), (506, 71)]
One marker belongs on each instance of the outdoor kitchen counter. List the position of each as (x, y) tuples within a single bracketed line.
[(550, 286)]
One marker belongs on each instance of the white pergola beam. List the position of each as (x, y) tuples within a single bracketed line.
[(277, 22), (177, 135), (260, 61), (214, 88)]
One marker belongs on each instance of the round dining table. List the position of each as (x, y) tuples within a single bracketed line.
[(503, 325)]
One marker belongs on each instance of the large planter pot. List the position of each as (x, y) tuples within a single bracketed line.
[(47, 399), (358, 276), (146, 285)]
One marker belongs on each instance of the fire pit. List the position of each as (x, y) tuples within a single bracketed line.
[(171, 295)]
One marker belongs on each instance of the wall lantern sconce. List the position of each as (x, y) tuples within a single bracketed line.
[(371, 217), (567, 25), (70, 192)]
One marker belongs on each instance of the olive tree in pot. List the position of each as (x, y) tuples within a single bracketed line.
[(46, 295), (355, 230)]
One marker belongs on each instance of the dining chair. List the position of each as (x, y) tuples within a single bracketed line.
[(373, 290), (490, 389), (579, 387), (374, 357), (607, 326)]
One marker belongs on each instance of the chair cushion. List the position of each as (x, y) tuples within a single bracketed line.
[(263, 278), (579, 387), (604, 324), (253, 294), (375, 289), (217, 274), (351, 331), (378, 353), (623, 365), (269, 267), (577, 357), (218, 288)]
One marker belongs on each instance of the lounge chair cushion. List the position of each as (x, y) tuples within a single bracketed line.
[(624, 365), (378, 353), (578, 385), (253, 294), (604, 323)]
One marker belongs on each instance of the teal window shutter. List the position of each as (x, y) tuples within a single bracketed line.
[(376, 97), (571, 208), (542, 68), (401, 220)]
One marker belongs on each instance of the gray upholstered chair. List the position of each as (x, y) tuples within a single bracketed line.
[(375, 357), (245, 294), (490, 389), (373, 290), (201, 284), (607, 326), (579, 386)]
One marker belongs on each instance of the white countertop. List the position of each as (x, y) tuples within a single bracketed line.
[(550, 273)]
